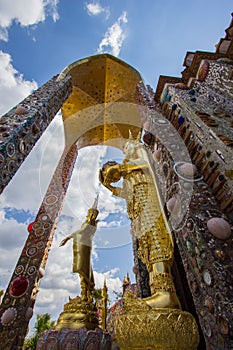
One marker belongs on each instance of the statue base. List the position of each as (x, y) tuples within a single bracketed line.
[(160, 329), (79, 339), (78, 313)]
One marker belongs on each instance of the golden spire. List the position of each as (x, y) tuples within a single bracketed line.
[(126, 282), (103, 306)]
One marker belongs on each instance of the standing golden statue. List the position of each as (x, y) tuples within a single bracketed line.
[(156, 322), (81, 311), (82, 246), (147, 219)]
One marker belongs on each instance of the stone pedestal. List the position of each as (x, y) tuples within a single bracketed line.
[(79, 339), (160, 329)]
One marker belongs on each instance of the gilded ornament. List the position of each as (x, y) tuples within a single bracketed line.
[(78, 313), (220, 255), (158, 329)]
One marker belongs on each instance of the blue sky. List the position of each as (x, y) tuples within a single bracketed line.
[(38, 39)]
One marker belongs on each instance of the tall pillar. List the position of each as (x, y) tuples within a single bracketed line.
[(202, 116), (18, 302), (23, 125)]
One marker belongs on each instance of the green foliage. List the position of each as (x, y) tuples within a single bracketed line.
[(96, 295), (43, 323)]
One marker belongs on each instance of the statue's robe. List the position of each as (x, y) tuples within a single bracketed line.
[(82, 246)]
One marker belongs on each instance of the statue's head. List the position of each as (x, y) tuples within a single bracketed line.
[(91, 217), (93, 213), (110, 172), (132, 144)]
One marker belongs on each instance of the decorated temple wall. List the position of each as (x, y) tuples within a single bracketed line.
[(206, 259), (206, 253), (218, 76), (209, 126), (209, 152)]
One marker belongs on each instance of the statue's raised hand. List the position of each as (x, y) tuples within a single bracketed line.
[(63, 242)]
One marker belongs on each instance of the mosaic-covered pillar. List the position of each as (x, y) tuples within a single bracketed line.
[(202, 117), (24, 124), (18, 302)]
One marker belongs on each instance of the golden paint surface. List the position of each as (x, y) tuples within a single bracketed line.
[(101, 108)]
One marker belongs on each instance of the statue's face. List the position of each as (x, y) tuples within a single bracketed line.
[(129, 148), (111, 172), (92, 214)]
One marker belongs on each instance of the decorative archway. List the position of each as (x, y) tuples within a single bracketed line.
[(100, 109)]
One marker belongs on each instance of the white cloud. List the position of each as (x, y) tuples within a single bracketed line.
[(51, 9), (95, 9), (26, 13), (12, 236), (13, 87), (113, 283), (114, 36)]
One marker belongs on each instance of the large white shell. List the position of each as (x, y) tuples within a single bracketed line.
[(188, 169), (8, 316), (219, 228), (171, 203)]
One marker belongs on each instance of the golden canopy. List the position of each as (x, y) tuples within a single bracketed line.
[(101, 108)]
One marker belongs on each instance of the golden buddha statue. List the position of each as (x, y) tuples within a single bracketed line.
[(81, 311), (148, 220), (82, 245)]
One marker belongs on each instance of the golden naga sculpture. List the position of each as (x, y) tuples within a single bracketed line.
[(81, 311), (147, 218), (156, 322)]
